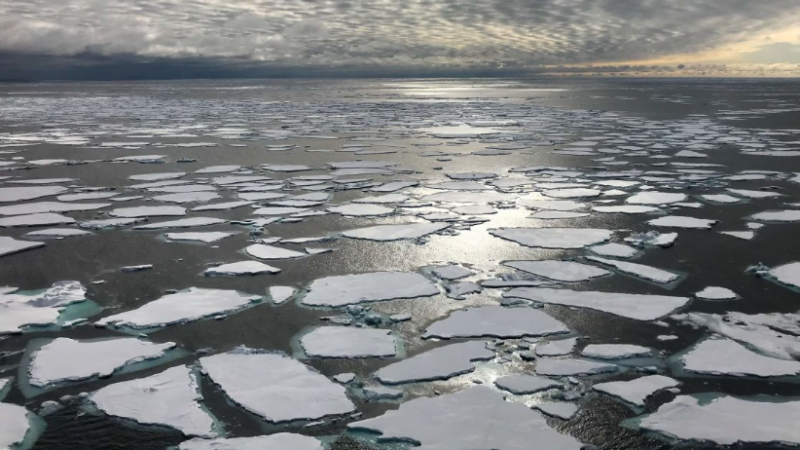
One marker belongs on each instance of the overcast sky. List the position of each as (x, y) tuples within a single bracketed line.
[(169, 38)]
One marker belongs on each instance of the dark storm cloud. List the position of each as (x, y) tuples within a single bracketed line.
[(383, 35)]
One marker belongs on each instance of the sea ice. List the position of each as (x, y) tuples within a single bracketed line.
[(441, 363), (557, 348), (637, 391), (727, 357), (10, 245), (348, 342), (682, 222), (716, 293), (368, 287), (525, 384), (553, 237), (182, 223), (571, 367), (616, 351), (638, 270), (241, 268), (788, 274), (559, 270), (14, 425), (148, 211), (204, 237), (495, 321), (269, 252), (278, 441), (614, 250)]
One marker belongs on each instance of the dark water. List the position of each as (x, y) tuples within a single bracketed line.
[(108, 111)]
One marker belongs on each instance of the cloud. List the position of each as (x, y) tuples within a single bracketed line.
[(383, 34)]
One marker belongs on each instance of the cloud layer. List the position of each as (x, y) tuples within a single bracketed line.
[(463, 34)]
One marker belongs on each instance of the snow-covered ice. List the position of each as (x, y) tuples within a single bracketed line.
[(438, 364), (571, 367), (638, 270), (568, 271), (367, 287), (616, 351), (637, 391), (348, 342), (554, 237), (241, 268), (727, 357), (495, 321)]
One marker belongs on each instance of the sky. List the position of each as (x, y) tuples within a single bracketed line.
[(110, 39)]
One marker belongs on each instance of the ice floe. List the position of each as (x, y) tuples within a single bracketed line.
[(568, 271), (495, 321), (727, 357), (525, 384), (571, 367), (278, 441), (637, 391), (367, 287), (616, 351), (638, 270), (554, 237), (348, 342), (438, 364), (241, 268), (10, 245)]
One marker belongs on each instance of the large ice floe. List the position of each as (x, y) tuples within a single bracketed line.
[(495, 321), (276, 387), (278, 441), (367, 287), (728, 357), (476, 418), (348, 342), (185, 306), (725, 420), (554, 237), (633, 306), (65, 359), (170, 398), (568, 271), (438, 364)]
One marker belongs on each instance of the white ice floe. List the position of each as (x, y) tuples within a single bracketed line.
[(10, 245), (562, 347), (483, 420), (626, 209), (394, 186), (438, 364), (537, 202), (185, 306), (385, 233), (349, 342), (572, 193), (222, 206), (57, 233), (559, 270), (241, 268), (495, 321), (553, 237), (788, 274), (614, 250), (14, 425), (278, 441), (18, 194), (187, 197), (726, 420), (276, 387), (383, 199), (787, 215), (219, 169), (550, 215), (269, 252), (746, 235), (653, 238), (65, 359), (49, 207), (571, 367), (655, 198), (561, 410), (682, 222), (204, 237), (525, 384), (451, 272), (109, 223), (36, 220), (637, 391), (754, 194), (616, 351), (638, 270), (157, 176), (723, 199), (280, 294), (773, 335), (367, 287), (182, 223), (361, 210), (633, 306), (716, 293), (727, 357), (148, 211), (170, 398)]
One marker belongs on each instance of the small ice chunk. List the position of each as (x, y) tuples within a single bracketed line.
[(571, 367), (438, 364), (616, 351), (553, 237), (36, 220), (349, 342), (633, 306), (483, 417), (525, 384), (148, 211), (18, 194), (58, 233), (452, 272), (557, 348), (170, 398), (787, 215), (614, 250), (241, 268), (561, 410), (280, 294), (716, 293), (269, 252), (65, 359), (182, 223), (361, 210), (637, 391), (276, 387), (368, 287), (495, 321), (559, 270)]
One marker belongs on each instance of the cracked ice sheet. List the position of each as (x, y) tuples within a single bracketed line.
[(185, 306), (727, 357), (349, 342), (278, 441), (556, 238), (638, 270), (637, 391), (170, 398), (10, 246), (276, 387), (559, 270), (726, 420), (368, 287), (384, 233), (476, 418), (633, 306), (495, 321), (14, 425), (438, 364), (65, 359)]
